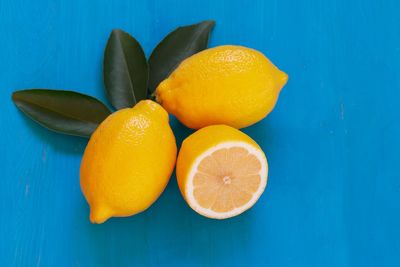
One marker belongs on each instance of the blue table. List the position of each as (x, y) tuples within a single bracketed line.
[(333, 197)]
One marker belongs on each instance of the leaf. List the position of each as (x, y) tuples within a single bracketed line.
[(66, 112), (175, 47), (126, 72)]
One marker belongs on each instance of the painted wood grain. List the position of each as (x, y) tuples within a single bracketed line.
[(333, 197)]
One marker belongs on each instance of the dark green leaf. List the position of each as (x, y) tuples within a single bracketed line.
[(126, 72), (62, 111), (175, 47)]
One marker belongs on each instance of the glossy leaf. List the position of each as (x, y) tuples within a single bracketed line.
[(125, 69), (62, 111), (175, 47)]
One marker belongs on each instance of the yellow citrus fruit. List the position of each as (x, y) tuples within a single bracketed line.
[(231, 85), (221, 171), (128, 161)]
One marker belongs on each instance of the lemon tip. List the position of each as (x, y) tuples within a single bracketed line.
[(99, 215)]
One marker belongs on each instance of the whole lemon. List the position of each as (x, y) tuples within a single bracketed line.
[(231, 85), (128, 161)]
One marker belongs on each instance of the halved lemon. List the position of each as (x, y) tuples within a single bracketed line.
[(221, 171)]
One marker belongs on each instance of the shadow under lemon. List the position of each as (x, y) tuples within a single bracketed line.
[(62, 143), (169, 229)]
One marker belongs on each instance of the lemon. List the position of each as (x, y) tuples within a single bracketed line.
[(128, 161), (221, 171), (231, 85)]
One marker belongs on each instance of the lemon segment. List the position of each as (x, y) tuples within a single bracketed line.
[(221, 171)]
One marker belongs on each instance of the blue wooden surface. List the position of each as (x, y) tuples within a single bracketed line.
[(333, 197)]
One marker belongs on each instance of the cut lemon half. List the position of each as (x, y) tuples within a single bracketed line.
[(221, 171)]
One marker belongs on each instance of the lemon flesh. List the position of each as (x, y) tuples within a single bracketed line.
[(221, 171)]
